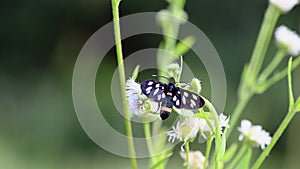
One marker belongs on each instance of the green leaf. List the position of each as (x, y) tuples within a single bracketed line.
[(162, 160), (205, 115), (291, 97), (135, 72), (297, 104), (243, 80), (230, 152), (160, 145), (184, 46), (221, 151), (244, 163)]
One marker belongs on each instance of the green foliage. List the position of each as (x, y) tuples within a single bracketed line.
[(230, 152), (245, 160)]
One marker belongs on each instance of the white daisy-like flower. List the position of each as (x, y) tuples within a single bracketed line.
[(175, 133), (288, 39), (189, 128), (196, 159), (138, 103), (184, 131), (254, 134), (284, 5)]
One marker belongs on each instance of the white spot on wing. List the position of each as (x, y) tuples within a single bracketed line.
[(183, 100), (158, 97), (177, 102), (148, 88), (174, 98), (163, 95), (194, 96), (157, 85), (155, 91), (178, 92), (147, 91), (192, 106), (150, 83), (185, 94), (193, 103)]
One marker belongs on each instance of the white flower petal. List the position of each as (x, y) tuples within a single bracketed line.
[(288, 39), (175, 133), (134, 94), (255, 133), (224, 120), (284, 5), (196, 159)]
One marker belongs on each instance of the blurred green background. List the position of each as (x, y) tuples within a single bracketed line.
[(40, 41)]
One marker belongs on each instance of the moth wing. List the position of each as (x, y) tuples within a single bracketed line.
[(154, 90), (187, 100)]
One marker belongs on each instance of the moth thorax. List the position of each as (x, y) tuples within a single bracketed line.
[(171, 87)]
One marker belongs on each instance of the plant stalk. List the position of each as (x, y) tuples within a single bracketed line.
[(117, 33)]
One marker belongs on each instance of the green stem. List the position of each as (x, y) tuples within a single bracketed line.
[(150, 147), (275, 138), (207, 151), (276, 77), (207, 121), (290, 89), (115, 10), (212, 109), (250, 76), (236, 113), (283, 125), (272, 66), (187, 153), (238, 156), (263, 40)]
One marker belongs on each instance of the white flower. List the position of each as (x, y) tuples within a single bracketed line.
[(189, 128), (254, 134), (138, 103), (207, 130), (224, 121), (284, 5), (184, 131), (175, 133), (196, 159), (288, 39)]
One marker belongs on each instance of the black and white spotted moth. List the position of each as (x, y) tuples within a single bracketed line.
[(169, 95)]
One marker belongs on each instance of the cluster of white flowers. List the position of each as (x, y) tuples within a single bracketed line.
[(254, 134), (196, 159), (189, 128), (284, 5), (133, 92), (288, 39)]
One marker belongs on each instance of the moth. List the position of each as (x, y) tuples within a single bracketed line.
[(169, 95)]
